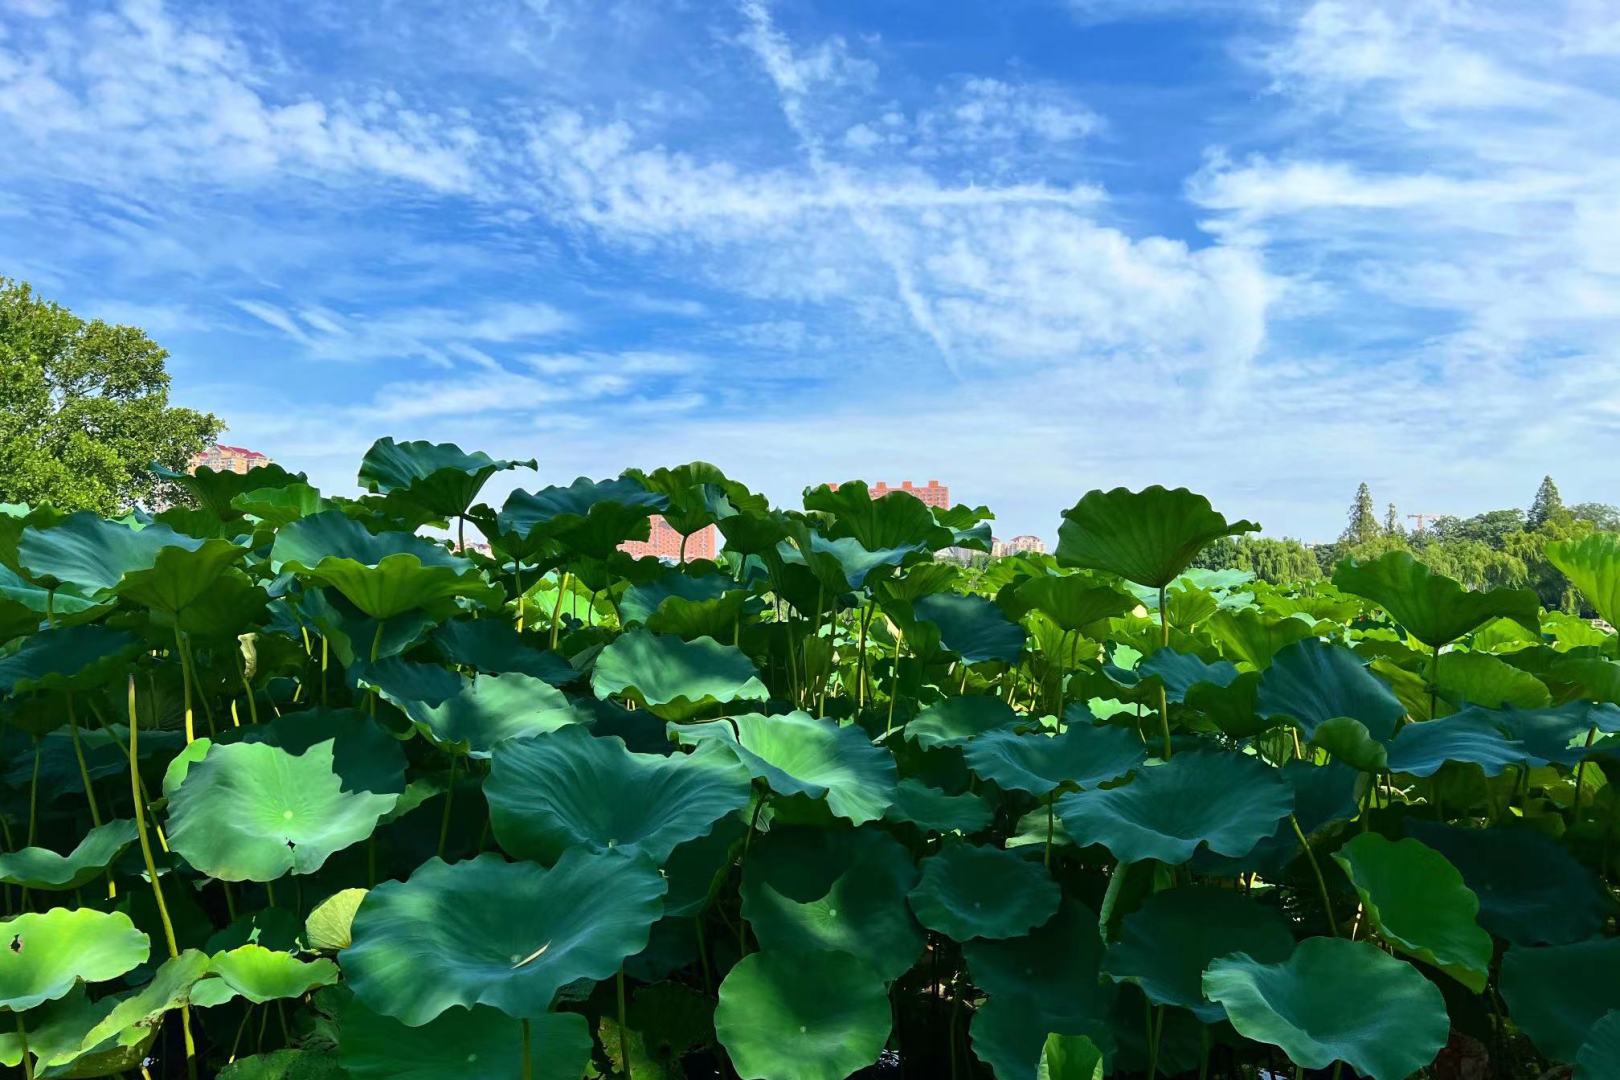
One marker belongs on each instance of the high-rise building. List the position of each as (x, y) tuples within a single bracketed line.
[(1018, 545), (222, 458), (664, 542), (933, 493)]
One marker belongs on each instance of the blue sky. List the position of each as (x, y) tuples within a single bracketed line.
[(1263, 248)]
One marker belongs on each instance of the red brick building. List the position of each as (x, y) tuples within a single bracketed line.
[(664, 542), (222, 458), (933, 493)]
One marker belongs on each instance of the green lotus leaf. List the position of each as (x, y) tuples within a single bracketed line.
[(897, 519), (1049, 978), (1558, 994), (1180, 672), (1070, 1057), (169, 988), (490, 932), (1599, 1058), (1419, 904), (284, 1065), (571, 790), (1335, 1000), (1348, 741), (1477, 736), (56, 1039), (1073, 602), (489, 708), (1474, 678), (440, 477), (812, 889), (955, 720), (480, 1041), (1432, 607), (493, 647), (25, 606), (405, 682), (675, 679), (69, 656), (1323, 796), (45, 870), (278, 506), (46, 953), (972, 627), (1014, 1040), (97, 555), (590, 516), (693, 869), (643, 599), (1229, 802), (967, 891), (1592, 564), (802, 1015), (933, 810), (254, 812), (1165, 945), (1531, 891), (215, 489), (1040, 764), (1254, 635), (365, 757), (382, 574), (260, 974), (1233, 708), (1314, 682), (1148, 536), (798, 754), (330, 923)]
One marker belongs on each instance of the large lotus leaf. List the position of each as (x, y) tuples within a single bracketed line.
[(1226, 801), (382, 574), (1254, 635), (933, 810), (1490, 738), (1592, 564), (897, 519), (1432, 607), (1474, 678), (1557, 995), (692, 868), (278, 506), (1070, 1057), (56, 1033), (44, 954), (439, 477), (1335, 1000), (1039, 764), (972, 627), (1233, 708), (809, 889), (179, 577), (254, 812), (260, 974), (215, 489), (641, 600), (493, 647), (955, 720), (1323, 795), (1599, 1058), (1419, 904), (1073, 602), (1531, 891), (88, 551), (1013, 1039), (675, 679), (842, 563), (480, 1042), (69, 656), (569, 789), (490, 708), (406, 682), (1148, 536), (589, 516), (968, 891), (45, 870), (490, 932), (365, 757), (802, 1015), (1313, 682), (1165, 945), (1052, 972), (284, 1065), (1349, 741), (799, 754), (1180, 672), (169, 988), (24, 606)]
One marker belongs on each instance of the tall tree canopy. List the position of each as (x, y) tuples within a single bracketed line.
[(1363, 519), (84, 408), (1547, 504)]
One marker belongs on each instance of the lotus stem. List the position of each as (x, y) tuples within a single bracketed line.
[(247, 687), (1051, 796), (703, 955), (1580, 775), (84, 770), (556, 609), (33, 794), (624, 1032), (151, 866), (1164, 704), (1316, 868), (1154, 1030), (185, 682), (376, 647), (449, 801), (528, 1059), (1434, 684)]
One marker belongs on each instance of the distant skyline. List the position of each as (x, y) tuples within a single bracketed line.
[(1264, 249)]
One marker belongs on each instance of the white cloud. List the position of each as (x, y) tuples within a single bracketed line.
[(439, 335)]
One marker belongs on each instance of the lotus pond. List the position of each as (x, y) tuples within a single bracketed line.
[(292, 789)]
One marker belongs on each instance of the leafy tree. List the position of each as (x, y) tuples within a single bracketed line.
[(1547, 503), (1363, 523), (1491, 528), (1392, 522), (84, 408), (1601, 516), (1279, 561)]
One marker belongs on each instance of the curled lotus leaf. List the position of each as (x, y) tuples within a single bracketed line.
[(1148, 536), (169, 988), (968, 891), (802, 1015), (1433, 608), (1072, 601), (1599, 1058), (675, 679), (70, 656), (1227, 802), (589, 516), (955, 720), (48, 871), (330, 923), (1419, 904), (1165, 945), (972, 627), (571, 790), (1558, 994), (493, 647), (489, 708), (1042, 982), (260, 974), (490, 932), (1592, 564), (894, 520), (933, 810), (94, 554), (1335, 1000), (47, 953), (1314, 682), (1037, 764), (799, 754), (440, 477), (479, 1041)]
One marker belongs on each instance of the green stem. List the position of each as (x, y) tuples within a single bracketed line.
[(84, 770), (1050, 796), (247, 687), (185, 683), (1116, 883), (27, 1058), (528, 1057), (624, 1032), (1316, 868), (376, 647), (449, 801), (1434, 684), (556, 609), (753, 821), (1153, 1030), (1580, 775), (1164, 704)]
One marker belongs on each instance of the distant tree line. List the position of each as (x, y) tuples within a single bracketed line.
[(1494, 549)]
